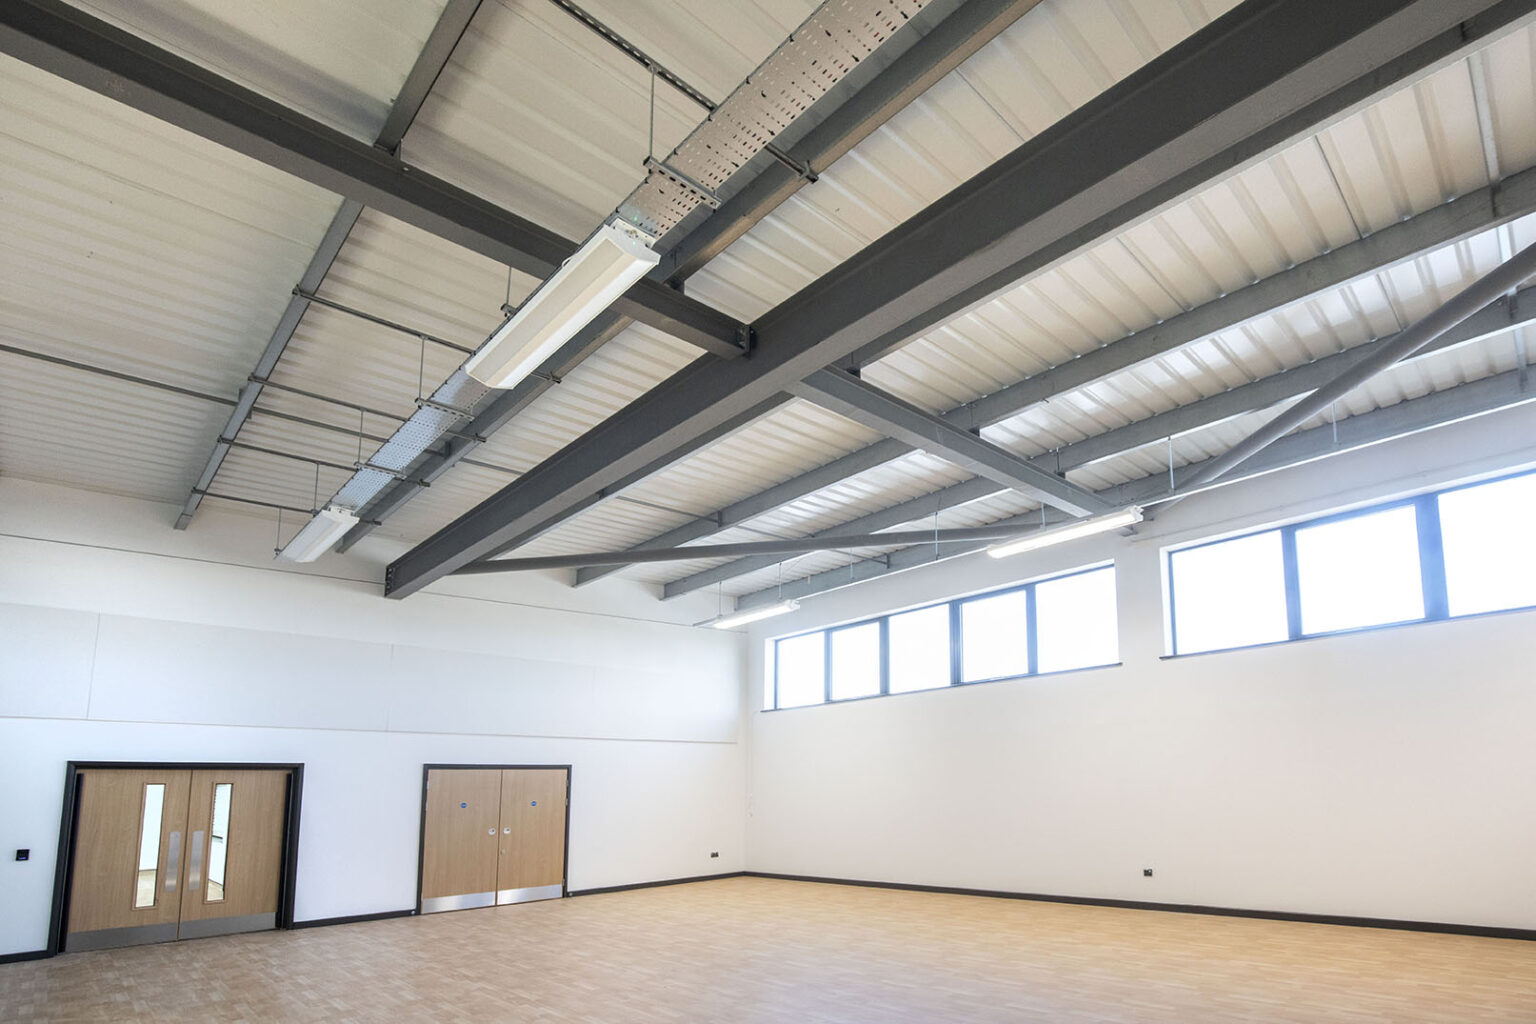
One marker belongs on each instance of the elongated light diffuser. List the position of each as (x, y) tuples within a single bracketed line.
[(1071, 531), (767, 611), (319, 535), (614, 258)]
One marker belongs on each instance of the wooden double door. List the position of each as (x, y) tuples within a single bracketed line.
[(492, 836), (174, 853)]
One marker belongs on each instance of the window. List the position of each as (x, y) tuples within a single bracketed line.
[(920, 649), (1456, 552), (801, 670), (1075, 621), (1360, 571), (970, 640), (1228, 594), (1485, 532), (855, 657), (995, 636)]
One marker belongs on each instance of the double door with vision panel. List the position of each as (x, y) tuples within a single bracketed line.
[(174, 853), (492, 836)]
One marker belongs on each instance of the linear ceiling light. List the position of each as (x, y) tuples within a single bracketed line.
[(767, 611), (1072, 531), (319, 535), (615, 257)]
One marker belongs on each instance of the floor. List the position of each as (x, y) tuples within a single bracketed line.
[(748, 949)]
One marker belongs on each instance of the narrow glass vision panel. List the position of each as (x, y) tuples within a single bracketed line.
[(1229, 594), (218, 842), (1075, 621), (855, 661), (920, 649), (802, 668), (1360, 571), (149, 846), (1485, 531), (994, 635)]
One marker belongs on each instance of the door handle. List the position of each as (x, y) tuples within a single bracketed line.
[(172, 862), (195, 865)]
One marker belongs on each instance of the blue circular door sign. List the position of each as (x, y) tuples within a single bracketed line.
[(463, 805), (533, 803)]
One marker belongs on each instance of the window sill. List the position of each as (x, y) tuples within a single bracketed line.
[(952, 686), (1351, 632)]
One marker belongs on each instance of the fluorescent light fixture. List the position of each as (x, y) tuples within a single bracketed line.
[(615, 257), (1071, 531), (319, 534), (767, 611)]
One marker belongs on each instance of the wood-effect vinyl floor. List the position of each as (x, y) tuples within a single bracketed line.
[(760, 950)]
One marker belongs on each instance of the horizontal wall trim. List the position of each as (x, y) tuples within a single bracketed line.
[(656, 884), (1482, 931), (31, 954), (383, 915)]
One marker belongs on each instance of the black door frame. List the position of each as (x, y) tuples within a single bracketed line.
[(421, 838), (63, 872)]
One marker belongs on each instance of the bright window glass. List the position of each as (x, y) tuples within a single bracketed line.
[(1075, 621), (1229, 594), (855, 661), (994, 637), (1360, 571), (1490, 563), (920, 649), (802, 669)]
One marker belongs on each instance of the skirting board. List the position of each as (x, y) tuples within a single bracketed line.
[(324, 922), (1483, 931), (652, 885)]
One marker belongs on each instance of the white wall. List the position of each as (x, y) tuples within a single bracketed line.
[(121, 639), (1381, 774)]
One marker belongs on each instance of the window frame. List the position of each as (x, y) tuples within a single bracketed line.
[(956, 641), (1430, 548)]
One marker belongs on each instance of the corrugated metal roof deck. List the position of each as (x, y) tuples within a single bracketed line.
[(135, 246)]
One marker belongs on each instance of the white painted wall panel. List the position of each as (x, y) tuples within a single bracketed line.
[(204, 658), (154, 671), (1378, 774), (45, 662)]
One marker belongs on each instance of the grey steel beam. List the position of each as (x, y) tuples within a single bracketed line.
[(451, 25), (841, 392), (780, 548), (1466, 401), (90, 52), (1474, 23), (319, 265), (972, 25), (774, 497), (964, 31), (909, 511), (1506, 313), (1469, 215), (1505, 278), (445, 34), (1509, 312), (1213, 101)]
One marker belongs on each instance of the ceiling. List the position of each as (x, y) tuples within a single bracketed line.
[(135, 247)]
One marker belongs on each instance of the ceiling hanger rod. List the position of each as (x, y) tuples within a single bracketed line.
[(640, 57)]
